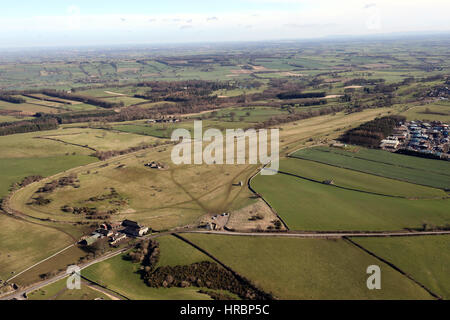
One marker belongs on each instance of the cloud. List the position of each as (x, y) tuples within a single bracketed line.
[(311, 19)]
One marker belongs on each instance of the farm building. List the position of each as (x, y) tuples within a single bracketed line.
[(90, 240), (134, 229)]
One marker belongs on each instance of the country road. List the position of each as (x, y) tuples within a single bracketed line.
[(322, 234), (317, 235), (19, 294)]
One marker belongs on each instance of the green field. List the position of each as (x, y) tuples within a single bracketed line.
[(306, 268), (426, 258), (164, 130), (357, 180), (98, 139), (15, 169), (121, 275), (306, 205), (23, 244), (439, 111), (59, 291), (428, 172), (176, 252)]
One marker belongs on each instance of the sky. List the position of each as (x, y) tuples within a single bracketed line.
[(32, 23)]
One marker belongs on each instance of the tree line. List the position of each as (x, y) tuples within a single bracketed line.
[(11, 99), (371, 133), (7, 128)]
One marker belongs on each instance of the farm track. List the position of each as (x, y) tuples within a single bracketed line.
[(324, 234), (249, 184)]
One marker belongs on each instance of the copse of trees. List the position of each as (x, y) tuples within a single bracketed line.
[(300, 95), (371, 133), (11, 99), (7, 128)]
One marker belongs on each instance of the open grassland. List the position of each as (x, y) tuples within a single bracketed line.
[(357, 180), (299, 134), (164, 198), (98, 139), (428, 172), (15, 169), (175, 252), (306, 205), (438, 111), (127, 101), (426, 259), (245, 114), (306, 268), (28, 145), (59, 291), (23, 244), (164, 130), (123, 277), (52, 266), (24, 154)]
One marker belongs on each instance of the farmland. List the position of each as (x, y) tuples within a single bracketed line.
[(357, 180), (96, 128), (340, 209), (430, 255), (59, 291), (433, 173), (305, 268), (122, 275)]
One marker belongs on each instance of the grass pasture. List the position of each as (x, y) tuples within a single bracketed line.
[(428, 172), (175, 196), (98, 139), (175, 252), (306, 205), (425, 258), (58, 291), (439, 111), (357, 180), (23, 244), (122, 276), (306, 268)]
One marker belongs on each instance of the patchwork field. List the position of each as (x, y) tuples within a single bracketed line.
[(425, 258), (357, 180), (122, 275), (306, 268), (428, 172), (306, 205)]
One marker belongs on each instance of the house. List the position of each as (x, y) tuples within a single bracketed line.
[(389, 144)]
